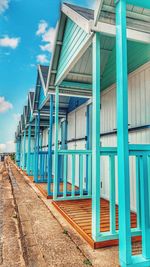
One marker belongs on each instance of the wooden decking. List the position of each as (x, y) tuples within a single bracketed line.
[(79, 214), (43, 188)]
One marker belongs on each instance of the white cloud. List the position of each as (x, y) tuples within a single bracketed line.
[(42, 27), (47, 35), (42, 59), (4, 105), (9, 146), (46, 47), (6, 41), (3, 5)]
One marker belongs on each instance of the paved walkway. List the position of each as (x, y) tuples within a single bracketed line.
[(33, 232), (10, 245), (39, 238)]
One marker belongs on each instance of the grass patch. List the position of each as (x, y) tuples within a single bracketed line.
[(65, 232), (87, 262)]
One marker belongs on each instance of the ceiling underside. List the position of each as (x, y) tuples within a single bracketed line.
[(138, 53)]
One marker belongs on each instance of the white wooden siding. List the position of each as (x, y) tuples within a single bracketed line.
[(139, 114)]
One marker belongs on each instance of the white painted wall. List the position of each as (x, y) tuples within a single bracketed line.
[(77, 129), (138, 114)]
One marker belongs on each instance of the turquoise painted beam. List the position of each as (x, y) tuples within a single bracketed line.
[(76, 85), (145, 207), (24, 150), (122, 135), (37, 137), (55, 187), (87, 146), (50, 136), (140, 3), (96, 138), (138, 210), (112, 194), (29, 150)]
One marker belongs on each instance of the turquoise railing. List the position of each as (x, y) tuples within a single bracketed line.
[(31, 163), (140, 156), (25, 161), (74, 175), (42, 166)]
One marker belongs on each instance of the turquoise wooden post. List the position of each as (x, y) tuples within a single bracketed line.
[(145, 208), (138, 206), (29, 150), (50, 147), (112, 194), (96, 139), (37, 133), (19, 151), (55, 190), (24, 150), (87, 147), (16, 156), (122, 135), (35, 137)]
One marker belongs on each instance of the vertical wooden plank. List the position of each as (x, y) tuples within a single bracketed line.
[(81, 174), (145, 209), (43, 166), (65, 176), (29, 150), (37, 130), (112, 194), (96, 138), (50, 138), (73, 175), (87, 146), (89, 175), (24, 150), (55, 191), (122, 135), (138, 206)]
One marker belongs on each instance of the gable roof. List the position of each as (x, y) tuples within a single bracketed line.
[(137, 18), (40, 90), (30, 105)]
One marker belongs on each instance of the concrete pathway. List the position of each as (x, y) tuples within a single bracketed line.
[(34, 237), (10, 246), (34, 233)]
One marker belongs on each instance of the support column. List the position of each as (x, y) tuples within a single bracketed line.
[(50, 146), (29, 150), (19, 150), (55, 187), (96, 139), (37, 138), (24, 150), (88, 175), (122, 135)]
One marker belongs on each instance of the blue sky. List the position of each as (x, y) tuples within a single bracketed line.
[(27, 29)]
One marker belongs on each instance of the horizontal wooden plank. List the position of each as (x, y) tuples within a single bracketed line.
[(79, 214)]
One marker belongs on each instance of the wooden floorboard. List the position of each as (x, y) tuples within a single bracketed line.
[(43, 188), (78, 214)]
